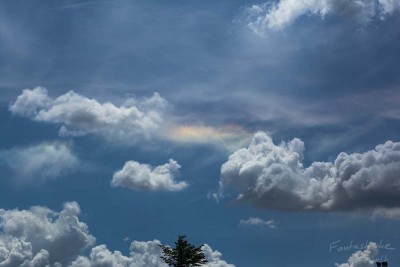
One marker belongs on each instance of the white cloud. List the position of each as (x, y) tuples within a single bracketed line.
[(139, 176), (16, 252), (141, 254), (80, 115), (254, 221), (214, 258), (40, 237), (60, 234), (273, 176), (363, 258), (41, 162), (283, 13)]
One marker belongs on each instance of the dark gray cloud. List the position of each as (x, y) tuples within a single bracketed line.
[(274, 177)]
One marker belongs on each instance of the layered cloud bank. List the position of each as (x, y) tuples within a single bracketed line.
[(80, 115), (273, 177), (40, 162), (139, 176), (285, 12), (40, 237)]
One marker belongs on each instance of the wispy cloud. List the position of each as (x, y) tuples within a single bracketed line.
[(254, 221), (40, 162), (277, 16)]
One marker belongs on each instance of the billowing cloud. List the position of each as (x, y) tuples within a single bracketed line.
[(214, 258), (41, 162), (135, 119), (60, 234), (254, 221), (16, 252), (139, 176), (285, 12), (273, 177), (141, 254), (80, 115), (40, 237), (362, 258)]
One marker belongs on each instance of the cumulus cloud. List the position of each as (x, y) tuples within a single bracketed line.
[(16, 252), (141, 254), (273, 176), (254, 221), (79, 115), (134, 120), (41, 237), (43, 234), (139, 176), (41, 162), (283, 13), (362, 258)]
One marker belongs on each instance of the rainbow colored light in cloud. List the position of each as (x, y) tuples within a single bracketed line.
[(230, 137)]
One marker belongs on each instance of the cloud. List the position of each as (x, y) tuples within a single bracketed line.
[(273, 177), (231, 137), (139, 176), (386, 213), (141, 254), (277, 16), (40, 231), (41, 162), (16, 252), (258, 222), (80, 115), (134, 120), (41, 237), (363, 258)]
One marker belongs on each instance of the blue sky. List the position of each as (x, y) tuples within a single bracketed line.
[(266, 130)]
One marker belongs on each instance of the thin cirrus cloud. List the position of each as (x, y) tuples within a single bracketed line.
[(231, 137), (134, 120), (279, 15), (273, 177), (255, 221), (41, 162), (143, 177), (43, 237)]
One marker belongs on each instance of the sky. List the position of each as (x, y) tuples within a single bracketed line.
[(267, 131)]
